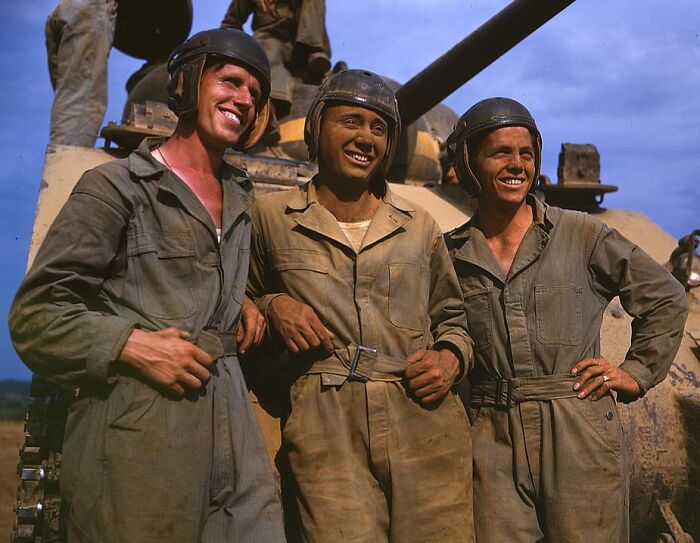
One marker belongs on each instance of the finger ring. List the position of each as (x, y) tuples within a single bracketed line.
[(606, 378)]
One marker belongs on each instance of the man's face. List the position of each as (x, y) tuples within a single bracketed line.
[(504, 164), (228, 95), (352, 143)]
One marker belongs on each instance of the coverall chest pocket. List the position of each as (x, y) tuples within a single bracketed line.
[(409, 290), (303, 274), (162, 268), (477, 306), (559, 314)]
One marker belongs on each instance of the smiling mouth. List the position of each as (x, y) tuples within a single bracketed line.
[(512, 181), (231, 116), (358, 157)]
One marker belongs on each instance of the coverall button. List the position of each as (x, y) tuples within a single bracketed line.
[(609, 415)]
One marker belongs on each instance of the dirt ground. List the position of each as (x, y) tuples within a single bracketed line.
[(11, 437)]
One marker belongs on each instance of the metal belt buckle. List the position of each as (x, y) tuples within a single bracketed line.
[(509, 392), (352, 376)]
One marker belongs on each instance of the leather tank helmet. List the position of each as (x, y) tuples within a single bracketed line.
[(480, 119), (186, 65), (361, 88)]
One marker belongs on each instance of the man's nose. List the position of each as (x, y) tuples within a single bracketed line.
[(363, 139), (516, 163), (243, 97)]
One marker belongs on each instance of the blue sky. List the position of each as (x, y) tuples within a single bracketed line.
[(621, 74)]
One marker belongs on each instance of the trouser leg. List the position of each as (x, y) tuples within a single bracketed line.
[(79, 37), (584, 472), (311, 30), (137, 466), (244, 500), (326, 439), (505, 507), (279, 53), (143, 467), (429, 455)]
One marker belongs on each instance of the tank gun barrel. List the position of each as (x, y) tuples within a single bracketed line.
[(474, 53)]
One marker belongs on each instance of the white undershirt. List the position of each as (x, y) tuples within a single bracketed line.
[(355, 232)]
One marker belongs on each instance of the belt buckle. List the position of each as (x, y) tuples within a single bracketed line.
[(352, 376), (509, 392)]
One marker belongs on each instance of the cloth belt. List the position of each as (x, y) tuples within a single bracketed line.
[(217, 344), (359, 363), (503, 392)]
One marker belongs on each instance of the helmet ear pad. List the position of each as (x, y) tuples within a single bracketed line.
[(256, 130), (465, 176), (183, 87)]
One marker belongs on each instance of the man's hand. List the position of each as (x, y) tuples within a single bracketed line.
[(600, 376), (266, 6), (432, 374), (298, 325), (167, 360), (251, 328)]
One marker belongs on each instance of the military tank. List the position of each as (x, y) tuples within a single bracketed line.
[(661, 428)]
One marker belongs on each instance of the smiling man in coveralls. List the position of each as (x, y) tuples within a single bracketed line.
[(359, 285), (549, 455), (135, 297)]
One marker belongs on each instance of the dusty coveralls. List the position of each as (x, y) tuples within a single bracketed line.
[(79, 37), (551, 466), (369, 462), (301, 22), (134, 247)]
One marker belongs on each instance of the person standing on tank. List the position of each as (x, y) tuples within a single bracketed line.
[(136, 297), (550, 459), (293, 33), (359, 285)]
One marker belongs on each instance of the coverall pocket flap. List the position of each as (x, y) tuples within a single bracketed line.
[(477, 306)]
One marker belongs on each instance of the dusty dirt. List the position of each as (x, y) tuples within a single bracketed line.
[(11, 437)]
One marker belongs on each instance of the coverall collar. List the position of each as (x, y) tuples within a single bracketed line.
[(476, 251), (392, 214), (235, 185)]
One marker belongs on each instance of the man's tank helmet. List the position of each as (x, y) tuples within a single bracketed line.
[(481, 118), (186, 64), (361, 88)]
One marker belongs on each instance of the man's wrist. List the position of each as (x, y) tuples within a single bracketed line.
[(452, 349)]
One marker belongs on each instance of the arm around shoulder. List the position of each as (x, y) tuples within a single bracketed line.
[(447, 318)]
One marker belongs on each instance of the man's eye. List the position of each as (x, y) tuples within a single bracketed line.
[(351, 121), (379, 129)]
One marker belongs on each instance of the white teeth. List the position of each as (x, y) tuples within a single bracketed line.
[(361, 158), (229, 115), (513, 181)]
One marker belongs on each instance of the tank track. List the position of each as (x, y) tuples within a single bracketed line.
[(38, 517)]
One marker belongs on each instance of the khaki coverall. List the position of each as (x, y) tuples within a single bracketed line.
[(301, 22), (551, 466), (134, 247), (369, 462)]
